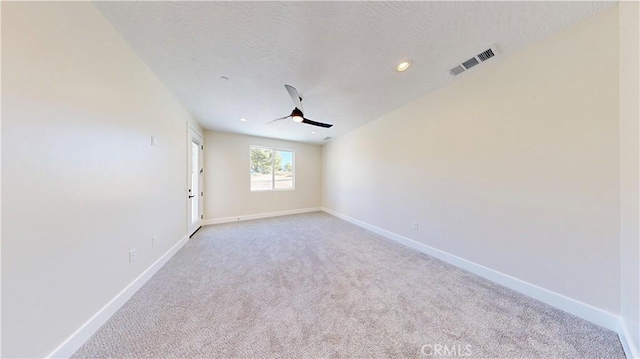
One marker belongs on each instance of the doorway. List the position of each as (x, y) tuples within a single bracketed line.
[(195, 171)]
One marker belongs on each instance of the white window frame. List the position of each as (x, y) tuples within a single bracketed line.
[(273, 172)]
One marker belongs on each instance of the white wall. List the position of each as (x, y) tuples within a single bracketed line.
[(227, 180), (81, 185), (630, 171), (514, 166)]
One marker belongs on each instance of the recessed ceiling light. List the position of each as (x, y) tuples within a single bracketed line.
[(313, 131), (404, 65), (243, 119)]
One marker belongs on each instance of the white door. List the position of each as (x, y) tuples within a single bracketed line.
[(195, 171)]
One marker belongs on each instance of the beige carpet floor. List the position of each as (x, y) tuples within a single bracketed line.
[(314, 286)]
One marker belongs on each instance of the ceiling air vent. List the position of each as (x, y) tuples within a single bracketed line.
[(481, 57), (327, 138), (486, 55), (470, 63), (456, 70)]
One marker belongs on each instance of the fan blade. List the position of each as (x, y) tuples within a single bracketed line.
[(297, 100), (320, 124), (278, 119)]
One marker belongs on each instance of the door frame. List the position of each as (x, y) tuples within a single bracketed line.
[(193, 133)]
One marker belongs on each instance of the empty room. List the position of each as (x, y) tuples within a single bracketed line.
[(320, 179)]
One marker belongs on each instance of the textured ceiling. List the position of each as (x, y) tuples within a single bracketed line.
[(341, 56)]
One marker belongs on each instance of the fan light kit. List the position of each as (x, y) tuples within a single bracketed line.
[(297, 115), (404, 65)]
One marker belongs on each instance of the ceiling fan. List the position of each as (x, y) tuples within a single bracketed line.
[(297, 115)]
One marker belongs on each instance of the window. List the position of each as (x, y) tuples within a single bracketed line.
[(271, 169)]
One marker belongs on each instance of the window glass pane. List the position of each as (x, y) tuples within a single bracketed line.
[(283, 165), (261, 162), (272, 169)]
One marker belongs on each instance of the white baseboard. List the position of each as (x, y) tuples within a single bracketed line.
[(631, 348), (259, 215), (80, 336), (570, 305)]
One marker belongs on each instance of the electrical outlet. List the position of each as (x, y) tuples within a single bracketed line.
[(154, 241), (132, 255), (414, 225)]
